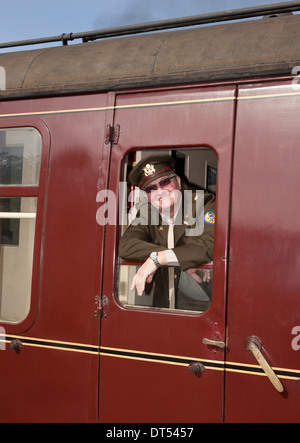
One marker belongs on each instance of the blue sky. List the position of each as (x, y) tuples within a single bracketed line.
[(27, 19)]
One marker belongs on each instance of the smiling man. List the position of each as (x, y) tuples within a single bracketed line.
[(167, 243)]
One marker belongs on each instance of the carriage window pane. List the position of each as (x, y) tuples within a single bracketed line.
[(20, 156), (171, 287), (192, 296), (10, 227), (17, 227)]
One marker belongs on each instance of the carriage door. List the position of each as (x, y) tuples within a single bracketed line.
[(165, 363), (262, 382)]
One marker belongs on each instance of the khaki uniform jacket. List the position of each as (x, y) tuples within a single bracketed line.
[(140, 240)]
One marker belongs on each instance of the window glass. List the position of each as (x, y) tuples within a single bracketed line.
[(10, 227), (190, 295), (17, 223), (195, 180), (20, 164), (20, 156)]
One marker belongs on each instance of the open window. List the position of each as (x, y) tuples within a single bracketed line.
[(197, 169)]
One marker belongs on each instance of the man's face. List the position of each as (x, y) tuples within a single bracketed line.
[(164, 194)]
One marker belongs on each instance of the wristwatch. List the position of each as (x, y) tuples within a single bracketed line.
[(154, 257)]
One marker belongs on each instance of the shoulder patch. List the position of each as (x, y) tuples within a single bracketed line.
[(210, 218)]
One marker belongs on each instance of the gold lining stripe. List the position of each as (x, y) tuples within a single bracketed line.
[(239, 371), (162, 358), (281, 376), (183, 102), (159, 361), (53, 344), (104, 348), (128, 357), (61, 111), (16, 337), (282, 94), (151, 105), (257, 366), (151, 357), (81, 351), (120, 107)]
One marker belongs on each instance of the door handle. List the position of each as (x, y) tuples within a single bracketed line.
[(216, 343), (254, 346)]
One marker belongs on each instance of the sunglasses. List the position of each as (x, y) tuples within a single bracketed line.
[(162, 184)]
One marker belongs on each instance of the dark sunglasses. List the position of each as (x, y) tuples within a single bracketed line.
[(162, 184)]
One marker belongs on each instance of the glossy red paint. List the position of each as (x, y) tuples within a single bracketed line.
[(144, 356), (264, 250), (180, 118), (38, 191), (51, 380)]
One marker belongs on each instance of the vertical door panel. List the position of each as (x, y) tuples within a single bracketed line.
[(263, 298), (54, 377), (145, 354)]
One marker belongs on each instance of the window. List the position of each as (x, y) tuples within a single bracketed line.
[(211, 178), (20, 160), (20, 156), (192, 290)]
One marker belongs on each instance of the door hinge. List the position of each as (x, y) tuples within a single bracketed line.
[(112, 134), (101, 306)]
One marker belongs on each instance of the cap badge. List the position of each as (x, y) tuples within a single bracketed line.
[(149, 170)]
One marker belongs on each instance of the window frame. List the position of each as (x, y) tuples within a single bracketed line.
[(121, 262), (38, 191), (205, 266)]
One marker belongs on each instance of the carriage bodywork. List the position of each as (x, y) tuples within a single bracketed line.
[(80, 355)]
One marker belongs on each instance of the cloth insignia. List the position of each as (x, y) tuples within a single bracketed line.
[(210, 218)]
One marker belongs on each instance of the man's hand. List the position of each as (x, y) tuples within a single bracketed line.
[(144, 274), (206, 277)]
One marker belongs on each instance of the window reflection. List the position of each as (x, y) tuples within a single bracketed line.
[(190, 295), (20, 156), (20, 159), (188, 231), (16, 260)]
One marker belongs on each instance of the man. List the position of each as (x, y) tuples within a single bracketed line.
[(167, 242)]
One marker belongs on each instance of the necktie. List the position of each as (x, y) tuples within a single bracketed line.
[(171, 270)]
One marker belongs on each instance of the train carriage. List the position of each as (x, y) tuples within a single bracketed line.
[(76, 344)]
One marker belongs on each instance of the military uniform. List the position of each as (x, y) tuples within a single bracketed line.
[(141, 239)]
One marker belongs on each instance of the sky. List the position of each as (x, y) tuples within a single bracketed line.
[(29, 19)]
